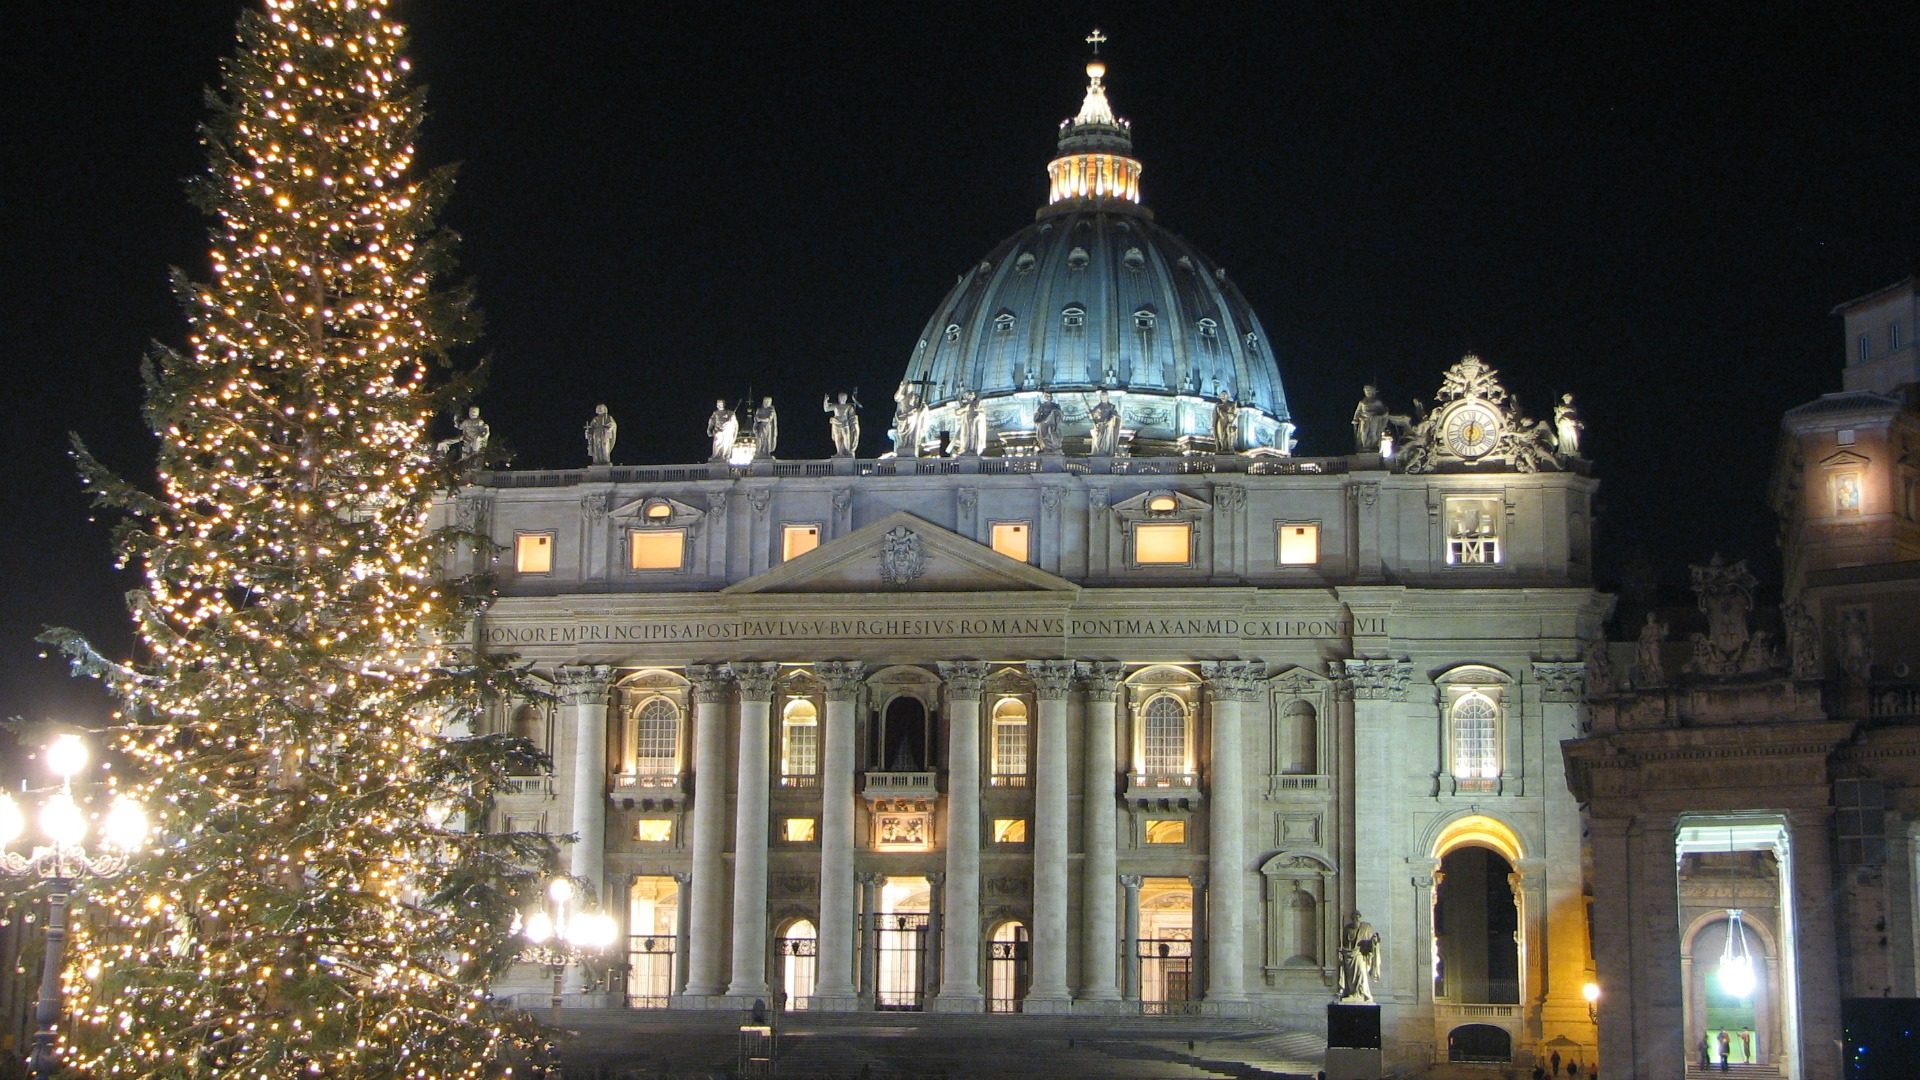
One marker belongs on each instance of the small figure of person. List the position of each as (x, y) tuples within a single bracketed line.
[(1553, 1064), (1226, 424), (843, 422), (473, 436), (1369, 421), (1567, 426), (1706, 1053), (1046, 423), (766, 429), (1105, 416), (602, 430), (1726, 1048), (1746, 1045), (722, 428)]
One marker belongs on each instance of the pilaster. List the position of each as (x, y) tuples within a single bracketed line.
[(1231, 686), (960, 987), (584, 691), (1379, 691)]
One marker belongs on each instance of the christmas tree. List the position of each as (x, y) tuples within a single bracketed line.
[(300, 723)]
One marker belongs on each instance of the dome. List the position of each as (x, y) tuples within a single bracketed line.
[(1094, 296)]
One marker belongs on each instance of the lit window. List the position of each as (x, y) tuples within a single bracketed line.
[(800, 740), (1010, 539), (1143, 319), (656, 738), (657, 549), (1866, 348), (798, 830), (1162, 504), (1299, 545), (1010, 743), (1073, 317), (653, 830), (1163, 545), (1003, 323), (1166, 831), (659, 510), (1009, 830), (1473, 531), (1476, 738), (797, 540), (533, 553), (1163, 737), (1844, 437)]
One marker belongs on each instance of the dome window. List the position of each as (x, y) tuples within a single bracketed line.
[(1077, 259), (1003, 323), (1024, 264), (1134, 260), (1209, 329), (1144, 319), (1186, 263), (1253, 342), (1073, 316), (953, 331)]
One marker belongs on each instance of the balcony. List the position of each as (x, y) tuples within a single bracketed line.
[(901, 785), (1164, 790), (649, 791)]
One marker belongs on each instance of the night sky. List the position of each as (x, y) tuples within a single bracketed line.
[(662, 204)]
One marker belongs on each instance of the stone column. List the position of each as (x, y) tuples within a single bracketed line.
[(1815, 965), (1636, 944), (1613, 943), (932, 970), (677, 983), (1099, 832), (750, 832), (960, 989), (1379, 687), (1052, 680), (583, 709), (835, 989), (1561, 946), (1231, 686), (870, 936), (1202, 933), (1130, 939), (1426, 881), (705, 973)]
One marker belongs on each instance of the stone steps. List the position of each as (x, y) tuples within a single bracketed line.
[(1734, 1072)]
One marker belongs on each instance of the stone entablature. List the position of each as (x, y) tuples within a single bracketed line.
[(1749, 702)]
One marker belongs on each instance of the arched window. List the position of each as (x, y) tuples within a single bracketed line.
[(1077, 259), (656, 738), (1475, 724), (799, 743), (1010, 743), (1003, 323), (1073, 316), (1164, 738), (1143, 319), (1024, 264)]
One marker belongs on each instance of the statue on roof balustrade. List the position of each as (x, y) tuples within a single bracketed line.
[(723, 426), (843, 422), (602, 430)]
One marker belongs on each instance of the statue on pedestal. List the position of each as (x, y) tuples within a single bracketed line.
[(1856, 651), (1359, 961), (1226, 424), (1046, 423), (602, 430), (907, 417), (722, 428), (1803, 641), (1105, 416), (1567, 426), (973, 425), (1647, 668), (843, 422), (474, 433), (1369, 421), (766, 429)]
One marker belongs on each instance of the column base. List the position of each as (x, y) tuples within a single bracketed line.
[(1049, 1005), (836, 1003), (704, 990), (949, 1002), (1098, 995), (750, 994)]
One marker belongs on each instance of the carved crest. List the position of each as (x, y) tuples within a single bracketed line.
[(901, 557), (1472, 377)]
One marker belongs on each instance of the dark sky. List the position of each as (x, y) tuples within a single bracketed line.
[(1655, 208)]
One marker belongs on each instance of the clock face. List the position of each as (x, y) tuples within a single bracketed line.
[(1472, 431)]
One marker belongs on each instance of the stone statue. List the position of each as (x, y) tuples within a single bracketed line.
[(1226, 424), (766, 429), (843, 422), (1369, 421), (601, 431), (474, 433), (1046, 423), (1647, 666), (1105, 416), (1856, 651), (1599, 667), (1803, 641), (1724, 592), (907, 418), (1359, 960), (722, 427), (973, 424), (1567, 426)]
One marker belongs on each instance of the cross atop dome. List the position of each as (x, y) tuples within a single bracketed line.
[(1095, 39)]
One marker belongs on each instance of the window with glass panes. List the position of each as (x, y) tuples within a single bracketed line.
[(656, 738), (802, 740), (1164, 740), (1010, 742), (1476, 738)]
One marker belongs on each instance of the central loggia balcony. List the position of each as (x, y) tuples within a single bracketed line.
[(901, 785), (1166, 790), (650, 790)]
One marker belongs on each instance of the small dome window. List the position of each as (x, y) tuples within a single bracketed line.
[(1003, 323), (1134, 260), (985, 266), (1209, 328), (1024, 264), (1253, 342), (1144, 319), (953, 331), (1073, 316), (1186, 263), (1077, 259)]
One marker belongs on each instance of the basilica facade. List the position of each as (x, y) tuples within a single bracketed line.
[(1090, 696)]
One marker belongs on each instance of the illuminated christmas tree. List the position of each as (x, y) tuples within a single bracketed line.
[(299, 723)]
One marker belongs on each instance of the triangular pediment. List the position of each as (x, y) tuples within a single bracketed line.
[(1843, 458), (903, 553)]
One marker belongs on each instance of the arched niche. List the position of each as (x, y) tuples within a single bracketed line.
[(1299, 742), (1298, 904)]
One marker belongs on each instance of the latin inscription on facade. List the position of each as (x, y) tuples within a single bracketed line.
[(1001, 626)]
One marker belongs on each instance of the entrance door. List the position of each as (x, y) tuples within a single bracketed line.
[(1166, 947), (1009, 970), (900, 945), (798, 953), (653, 917)]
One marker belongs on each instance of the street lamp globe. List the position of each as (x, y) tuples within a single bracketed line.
[(560, 890), (66, 756), (538, 928), (125, 827), (62, 821)]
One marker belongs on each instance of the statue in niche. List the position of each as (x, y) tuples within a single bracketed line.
[(1803, 641), (973, 424), (1370, 419), (766, 429), (722, 428), (474, 433), (1567, 426), (843, 422), (1856, 651), (1724, 592), (1359, 961), (907, 415), (1046, 423), (1226, 424), (1105, 416), (1647, 669), (1599, 667), (602, 430)]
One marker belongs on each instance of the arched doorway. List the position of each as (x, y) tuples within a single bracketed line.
[(1476, 929), (797, 952), (653, 924), (1008, 967), (1482, 1043)]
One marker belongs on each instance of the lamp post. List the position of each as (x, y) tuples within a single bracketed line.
[(60, 862), (558, 936)]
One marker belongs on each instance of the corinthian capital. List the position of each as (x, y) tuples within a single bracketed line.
[(841, 676), (756, 680), (583, 684), (1560, 680), (1101, 678), (963, 677), (1052, 679), (1235, 680), (709, 682), (1378, 680)]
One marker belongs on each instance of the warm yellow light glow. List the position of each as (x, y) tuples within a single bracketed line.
[(1163, 544), (125, 827), (560, 890), (799, 830), (656, 549), (538, 928), (66, 756), (1166, 831), (533, 553), (1010, 539), (1591, 991), (1010, 830), (1162, 504), (62, 821), (653, 830), (1299, 545), (659, 510), (797, 540)]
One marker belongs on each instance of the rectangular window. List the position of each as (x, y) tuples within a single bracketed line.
[(1010, 752), (1866, 348), (798, 830), (656, 549), (1163, 544), (533, 553), (1473, 530), (1010, 539), (801, 745), (653, 830), (1166, 831), (1844, 437), (1009, 830), (1299, 545), (797, 540)]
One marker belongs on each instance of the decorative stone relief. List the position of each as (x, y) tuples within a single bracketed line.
[(709, 683), (1730, 646), (1378, 680), (756, 680), (1007, 886), (597, 506), (760, 500), (798, 884), (963, 678), (1101, 679), (1560, 680), (967, 499), (902, 557), (472, 512), (1297, 830), (1238, 680), (1296, 683), (1230, 497)]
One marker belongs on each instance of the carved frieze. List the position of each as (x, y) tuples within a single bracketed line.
[(903, 557), (1378, 680)]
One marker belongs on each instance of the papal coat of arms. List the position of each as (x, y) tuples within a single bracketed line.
[(901, 557)]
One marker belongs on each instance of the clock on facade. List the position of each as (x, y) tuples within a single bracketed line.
[(1471, 430)]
